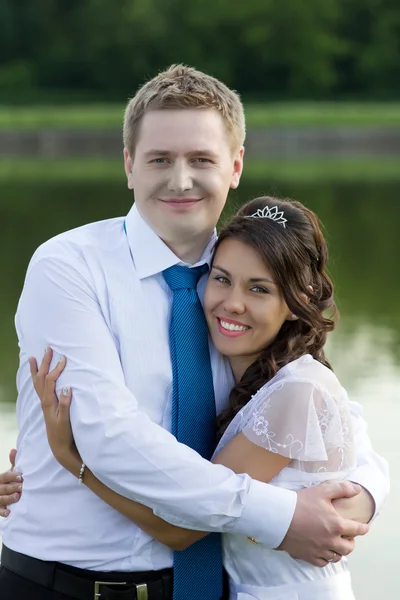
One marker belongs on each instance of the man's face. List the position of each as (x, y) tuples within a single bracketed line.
[(182, 171)]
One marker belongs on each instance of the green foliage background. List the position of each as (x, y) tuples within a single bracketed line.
[(265, 48)]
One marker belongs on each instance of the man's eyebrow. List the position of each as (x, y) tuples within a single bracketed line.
[(252, 279), (200, 152), (156, 152)]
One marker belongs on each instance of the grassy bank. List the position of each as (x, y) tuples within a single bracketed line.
[(280, 114), (75, 170)]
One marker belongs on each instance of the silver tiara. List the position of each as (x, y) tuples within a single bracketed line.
[(271, 213)]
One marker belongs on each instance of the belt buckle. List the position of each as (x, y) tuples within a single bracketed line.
[(141, 589)]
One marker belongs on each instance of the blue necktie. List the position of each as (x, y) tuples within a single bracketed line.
[(197, 570)]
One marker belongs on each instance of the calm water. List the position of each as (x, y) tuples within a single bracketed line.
[(362, 228)]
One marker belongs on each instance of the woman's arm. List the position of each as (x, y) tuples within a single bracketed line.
[(58, 426), (242, 456), (170, 535), (239, 454)]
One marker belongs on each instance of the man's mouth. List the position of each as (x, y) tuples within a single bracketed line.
[(180, 202)]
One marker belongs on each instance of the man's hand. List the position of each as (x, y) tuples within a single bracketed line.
[(318, 534), (360, 508), (10, 487)]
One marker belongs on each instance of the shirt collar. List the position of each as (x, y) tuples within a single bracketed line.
[(150, 254)]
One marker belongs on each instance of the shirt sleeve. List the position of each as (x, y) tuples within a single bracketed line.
[(372, 471), (299, 420), (121, 445)]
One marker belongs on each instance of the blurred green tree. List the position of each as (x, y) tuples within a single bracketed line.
[(264, 48)]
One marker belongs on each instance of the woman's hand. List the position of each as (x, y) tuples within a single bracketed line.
[(56, 412), (10, 486)]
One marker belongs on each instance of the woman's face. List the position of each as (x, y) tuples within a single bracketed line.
[(243, 305)]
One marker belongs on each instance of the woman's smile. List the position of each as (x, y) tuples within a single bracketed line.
[(231, 328)]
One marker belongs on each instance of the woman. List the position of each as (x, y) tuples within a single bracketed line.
[(287, 423)]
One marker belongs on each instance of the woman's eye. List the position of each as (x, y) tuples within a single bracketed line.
[(259, 290), (221, 279)]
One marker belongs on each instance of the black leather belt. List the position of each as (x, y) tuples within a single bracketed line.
[(90, 585)]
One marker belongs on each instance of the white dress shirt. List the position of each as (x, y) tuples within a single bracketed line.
[(97, 295)]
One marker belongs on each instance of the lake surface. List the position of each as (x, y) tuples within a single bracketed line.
[(361, 222)]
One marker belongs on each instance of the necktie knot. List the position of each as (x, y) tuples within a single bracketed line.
[(178, 277)]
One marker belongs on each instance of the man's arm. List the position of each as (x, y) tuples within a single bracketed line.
[(121, 446), (372, 473)]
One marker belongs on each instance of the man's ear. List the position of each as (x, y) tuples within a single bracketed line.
[(128, 164), (237, 169)]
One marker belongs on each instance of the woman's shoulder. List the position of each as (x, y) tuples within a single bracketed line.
[(304, 370), (308, 369), (296, 380)]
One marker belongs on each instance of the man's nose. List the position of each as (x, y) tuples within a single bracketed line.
[(180, 178)]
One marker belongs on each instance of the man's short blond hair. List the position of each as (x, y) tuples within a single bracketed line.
[(185, 87)]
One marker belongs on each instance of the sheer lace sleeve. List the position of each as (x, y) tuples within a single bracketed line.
[(302, 421)]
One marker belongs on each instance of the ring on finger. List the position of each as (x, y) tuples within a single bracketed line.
[(333, 557)]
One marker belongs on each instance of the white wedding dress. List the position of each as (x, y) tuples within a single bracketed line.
[(302, 413)]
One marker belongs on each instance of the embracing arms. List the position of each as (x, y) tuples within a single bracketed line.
[(239, 454), (104, 408), (120, 444)]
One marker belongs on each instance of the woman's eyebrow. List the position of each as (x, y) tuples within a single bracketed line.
[(221, 269), (251, 280), (256, 279)]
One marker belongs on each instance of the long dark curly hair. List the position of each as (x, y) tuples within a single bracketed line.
[(297, 255)]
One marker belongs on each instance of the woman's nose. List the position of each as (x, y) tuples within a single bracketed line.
[(234, 303)]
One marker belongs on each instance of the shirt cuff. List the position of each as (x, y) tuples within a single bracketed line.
[(267, 514), (378, 486)]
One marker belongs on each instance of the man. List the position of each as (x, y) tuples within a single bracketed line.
[(100, 295)]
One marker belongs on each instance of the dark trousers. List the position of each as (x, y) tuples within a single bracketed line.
[(14, 587)]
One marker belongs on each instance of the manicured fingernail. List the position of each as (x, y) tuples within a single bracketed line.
[(61, 359), (65, 391), (18, 478), (15, 496), (20, 488), (6, 513)]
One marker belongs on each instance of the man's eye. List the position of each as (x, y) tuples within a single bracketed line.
[(203, 160), (159, 161)]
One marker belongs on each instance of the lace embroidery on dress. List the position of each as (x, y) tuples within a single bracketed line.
[(261, 427), (303, 414)]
